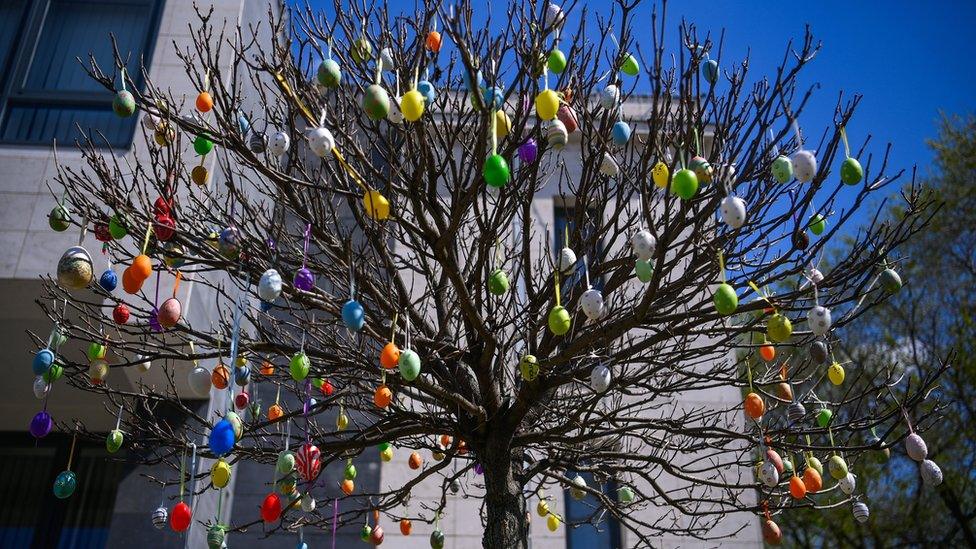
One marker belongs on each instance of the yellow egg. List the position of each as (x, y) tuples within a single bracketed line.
[(377, 206), (503, 125), (542, 508), (387, 454), (342, 422), (547, 104), (836, 373), (220, 473), (553, 523), (412, 105), (660, 174)]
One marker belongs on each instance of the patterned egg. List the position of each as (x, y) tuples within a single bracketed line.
[(321, 142), (159, 517), (329, 74), (768, 474), (529, 367), (556, 135), (836, 373), (819, 352), (782, 169), (41, 387), (890, 281), (600, 378), (610, 97), (170, 313), (620, 133), (567, 116), (376, 102), (59, 219), (931, 474), (269, 286), (733, 211), (257, 142), (229, 242), (779, 328), (429, 93), (308, 503), (437, 537), (915, 447), (75, 268), (307, 461), (409, 364), (109, 280), (851, 171), (542, 508), (559, 320), (279, 143), (124, 104), (552, 523), (660, 174), (804, 165), (286, 462), (848, 483), (554, 15), (861, 512), (494, 97), (609, 166), (592, 304), (625, 494), (773, 457), (216, 537), (837, 467), (98, 371), (567, 260), (241, 399), (703, 170), (643, 244), (54, 373), (814, 274), (120, 314), (577, 488), (236, 424), (819, 320), (796, 412)]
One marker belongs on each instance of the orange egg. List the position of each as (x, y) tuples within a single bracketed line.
[(768, 353), (267, 368), (389, 355), (754, 406), (433, 41), (812, 480), (220, 377), (383, 396), (406, 527), (204, 102), (415, 461), (797, 488), (141, 267), (275, 412), (462, 447), (348, 487), (445, 440), (130, 283)]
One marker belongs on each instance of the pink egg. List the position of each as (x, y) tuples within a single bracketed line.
[(170, 312)]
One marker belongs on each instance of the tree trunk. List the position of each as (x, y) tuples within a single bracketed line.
[(507, 525)]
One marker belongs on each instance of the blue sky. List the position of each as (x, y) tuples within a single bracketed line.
[(908, 59)]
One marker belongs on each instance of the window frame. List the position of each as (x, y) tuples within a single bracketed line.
[(568, 210), (13, 88)]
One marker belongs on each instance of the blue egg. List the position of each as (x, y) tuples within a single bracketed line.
[(43, 361), (243, 122), (222, 437), (621, 133), (109, 280), (353, 315), (242, 376), (710, 70), (428, 91), (494, 97), (474, 85), (301, 545)]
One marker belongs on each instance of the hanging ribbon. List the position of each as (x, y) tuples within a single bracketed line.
[(145, 240), (721, 266), (71, 453), (308, 235), (843, 137), (335, 520)]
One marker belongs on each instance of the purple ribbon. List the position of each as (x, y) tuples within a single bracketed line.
[(335, 519)]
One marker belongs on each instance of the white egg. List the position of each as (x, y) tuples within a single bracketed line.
[(556, 134), (733, 210), (931, 474), (804, 165), (915, 447), (395, 115), (600, 378), (269, 287), (609, 166), (144, 364), (40, 387), (592, 304), (768, 474), (554, 15), (814, 274), (199, 381), (279, 143), (861, 512), (567, 260), (643, 243), (321, 142), (848, 484), (610, 97), (308, 503), (387, 56), (819, 320)]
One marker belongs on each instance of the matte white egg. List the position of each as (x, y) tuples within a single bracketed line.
[(819, 320), (199, 381), (269, 287), (600, 378), (733, 210), (915, 447), (609, 166), (644, 244), (592, 304), (144, 364), (279, 143), (814, 274), (321, 142), (804, 165), (567, 260), (610, 97), (847, 484), (931, 474)]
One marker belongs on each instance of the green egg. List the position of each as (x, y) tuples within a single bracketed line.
[(851, 171), (53, 373), (365, 533), (498, 282), (349, 473), (630, 66), (725, 299), (559, 320), (890, 280), (496, 171), (299, 366), (361, 50), (96, 351), (815, 464), (779, 328), (114, 441), (644, 270), (529, 367), (837, 467), (685, 183), (318, 382), (286, 462), (787, 468), (117, 227), (124, 104), (202, 145), (557, 61), (824, 416), (383, 446), (409, 364), (783, 169), (376, 102), (59, 219), (329, 74), (625, 494), (817, 224)]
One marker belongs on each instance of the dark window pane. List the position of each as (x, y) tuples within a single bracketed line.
[(564, 218), (39, 124), (26, 473), (605, 535), (11, 22), (73, 29)]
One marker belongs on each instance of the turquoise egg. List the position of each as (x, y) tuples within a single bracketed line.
[(428, 91), (65, 485), (620, 133)]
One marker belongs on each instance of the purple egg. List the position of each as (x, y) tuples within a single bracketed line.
[(154, 321), (478, 468), (528, 151), (41, 425), (304, 279)]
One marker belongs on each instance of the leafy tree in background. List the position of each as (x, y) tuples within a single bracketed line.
[(933, 316)]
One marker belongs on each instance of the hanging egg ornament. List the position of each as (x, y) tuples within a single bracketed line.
[(703, 170), (222, 437), (547, 104), (851, 172), (433, 41), (797, 488), (109, 280), (915, 447), (725, 299), (782, 169), (97, 371), (819, 352), (342, 421), (321, 142), (275, 411), (54, 373), (429, 92), (660, 175), (329, 74), (437, 539), (836, 374), (179, 518), (620, 133), (644, 270), (609, 97), (557, 135), (389, 356), (406, 527), (59, 219), (819, 320), (304, 279), (199, 381), (41, 387), (271, 508), (847, 484), (630, 66), (552, 522), (817, 224), (779, 328), (592, 304), (495, 171), (861, 511), (200, 175), (361, 50), (600, 378), (124, 104), (75, 268), (159, 517), (382, 397), (353, 315), (42, 362), (220, 376), (804, 165), (376, 205), (771, 532), (204, 102), (609, 166), (113, 441), (498, 282), (556, 61), (733, 211), (41, 424), (890, 280), (528, 151), (308, 461), (643, 244), (170, 313), (415, 461), (269, 286), (65, 484), (241, 400), (257, 143), (931, 473), (796, 412), (542, 508), (376, 102), (279, 143), (286, 462), (625, 494), (709, 71), (577, 489), (559, 320), (503, 125), (202, 145), (216, 537), (494, 97), (837, 467), (529, 367), (567, 260), (773, 457), (685, 183), (409, 364), (754, 406), (768, 474), (412, 105), (299, 366), (812, 480)]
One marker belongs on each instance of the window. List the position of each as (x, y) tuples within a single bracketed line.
[(565, 217), (605, 534), (45, 93), (38, 519)]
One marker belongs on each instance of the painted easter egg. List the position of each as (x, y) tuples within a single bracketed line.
[(59, 219), (768, 474), (503, 125), (376, 205), (660, 174), (428, 91), (804, 165), (733, 211), (493, 97), (406, 527), (415, 461), (643, 244), (285, 462), (200, 175), (179, 518), (389, 356), (915, 447), (890, 280), (620, 133), (75, 268), (609, 166), (199, 381), (577, 489), (114, 441), (779, 328), (279, 143), (861, 511), (299, 366), (54, 373), (498, 282), (386, 56), (409, 364), (847, 484), (216, 537), (98, 371), (797, 488), (321, 142), (529, 367), (796, 412), (851, 171), (812, 479), (307, 461), (754, 406), (819, 320), (329, 74), (124, 104), (170, 313), (771, 532), (685, 183), (159, 517), (567, 260), (600, 378), (41, 424), (202, 145), (824, 416), (630, 66), (703, 170), (376, 102), (782, 169), (556, 135), (241, 399), (437, 539), (382, 397), (433, 41), (495, 171), (592, 304), (559, 320), (556, 61), (774, 458), (257, 143), (725, 299), (567, 116), (65, 485), (931, 473), (837, 467), (528, 151), (609, 97), (552, 523), (644, 270), (547, 104), (412, 105), (220, 376), (269, 286), (836, 374), (361, 50), (353, 315)]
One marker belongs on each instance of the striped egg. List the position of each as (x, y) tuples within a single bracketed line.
[(308, 461), (159, 517), (796, 412), (861, 512), (556, 135)]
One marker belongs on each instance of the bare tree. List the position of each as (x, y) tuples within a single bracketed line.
[(527, 375)]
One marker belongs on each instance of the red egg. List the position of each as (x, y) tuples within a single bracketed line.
[(165, 227), (161, 207), (327, 388), (241, 400), (120, 314), (102, 232), (271, 507), (179, 517), (170, 312), (376, 536)]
